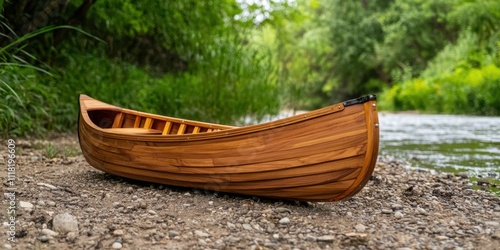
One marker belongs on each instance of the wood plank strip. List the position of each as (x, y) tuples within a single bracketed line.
[(137, 122), (148, 123), (117, 123), (181, 130), (196, 130), (166, 129)]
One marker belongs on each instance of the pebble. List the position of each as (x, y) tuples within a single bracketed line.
[(7, 246), (232, 239), (65, 223), (326, 238), (152, 212), (201, 234), (25, 205), (398, 215), (442, 237), (89, 210), (282, 210), (173, 233), (360, 228), (49, 232), (284, 221), (116, 245), (118, 232), (44, 238), (421, 211), (51, 203), (247, 226), (47, 185), (386, 211), (231, 225), (396, 207), (310, 238)]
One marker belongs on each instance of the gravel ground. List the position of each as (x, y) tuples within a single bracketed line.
[(64, 203)]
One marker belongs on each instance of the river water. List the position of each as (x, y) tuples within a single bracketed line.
[(447, 143)]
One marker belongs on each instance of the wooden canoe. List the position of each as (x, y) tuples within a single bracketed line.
[(323, 155)]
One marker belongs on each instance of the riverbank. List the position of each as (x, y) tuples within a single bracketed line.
[(398, 208)]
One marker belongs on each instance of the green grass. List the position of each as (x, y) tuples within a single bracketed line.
[(51, 151)]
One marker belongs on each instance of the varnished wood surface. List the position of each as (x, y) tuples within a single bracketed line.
[(324, 155)]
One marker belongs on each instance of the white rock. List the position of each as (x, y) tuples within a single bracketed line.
[(25, 205), (201, 234), (398, 215), (49, 232), (284, 221), (360, 228), (116, 245), (421, 211), (118, 232), (247, 226), (152, 212), (65, 223), (441, 237), (47, 185), (326, 238)]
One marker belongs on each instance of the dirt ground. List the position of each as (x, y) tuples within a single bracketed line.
[(61, 202)]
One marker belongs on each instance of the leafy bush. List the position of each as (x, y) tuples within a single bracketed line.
[(474, 91)]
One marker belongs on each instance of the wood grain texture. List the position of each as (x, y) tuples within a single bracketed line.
[(323, 155)]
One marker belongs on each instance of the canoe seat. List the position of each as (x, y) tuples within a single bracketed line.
[(139, 131)]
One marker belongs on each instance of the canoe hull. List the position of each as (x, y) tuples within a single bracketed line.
[(324, 155)]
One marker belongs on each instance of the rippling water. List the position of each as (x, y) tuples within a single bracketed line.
[(447, 143)]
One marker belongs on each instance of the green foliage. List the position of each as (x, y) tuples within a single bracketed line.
[(190, 59), (463, 78), (474, 91)]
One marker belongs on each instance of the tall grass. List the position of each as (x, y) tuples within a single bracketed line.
[(224, 86), (27, 105)]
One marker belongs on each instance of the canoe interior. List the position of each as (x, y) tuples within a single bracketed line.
[(137, 123)]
